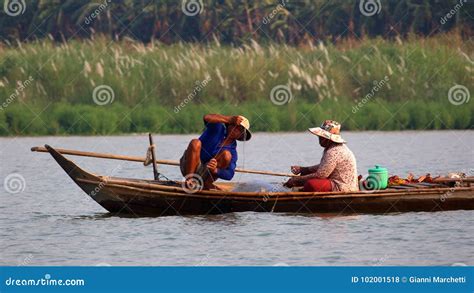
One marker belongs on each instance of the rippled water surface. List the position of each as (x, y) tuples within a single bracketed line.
[(52, 222)]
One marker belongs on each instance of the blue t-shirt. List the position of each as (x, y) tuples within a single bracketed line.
[(211, 139)]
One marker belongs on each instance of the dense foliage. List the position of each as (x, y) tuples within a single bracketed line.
[(287, 21)]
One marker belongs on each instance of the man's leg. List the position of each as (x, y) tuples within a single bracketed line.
[(193, 157), (223, 159)]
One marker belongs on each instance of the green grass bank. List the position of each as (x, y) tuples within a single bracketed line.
[(103, 87)]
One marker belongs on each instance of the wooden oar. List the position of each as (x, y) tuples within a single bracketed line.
[(142, 159)]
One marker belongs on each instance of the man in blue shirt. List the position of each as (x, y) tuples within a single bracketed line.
[(214, 154)]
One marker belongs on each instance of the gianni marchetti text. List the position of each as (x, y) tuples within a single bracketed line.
[(437, 279)]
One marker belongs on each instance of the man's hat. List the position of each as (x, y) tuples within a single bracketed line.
[(246, 125), (330, 129)]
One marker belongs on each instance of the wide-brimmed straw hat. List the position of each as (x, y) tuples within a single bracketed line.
[(330, 129), (246, 125)]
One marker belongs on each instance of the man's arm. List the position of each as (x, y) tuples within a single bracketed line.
[(218, 118)]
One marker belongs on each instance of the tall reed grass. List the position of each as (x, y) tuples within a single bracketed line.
[(149, 81)]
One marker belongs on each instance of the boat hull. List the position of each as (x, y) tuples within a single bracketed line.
[(154, 198), (121, 200)]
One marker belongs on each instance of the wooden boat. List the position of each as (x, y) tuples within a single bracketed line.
[(163, 198)]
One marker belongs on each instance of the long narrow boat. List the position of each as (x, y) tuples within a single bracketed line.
[(164, 198)]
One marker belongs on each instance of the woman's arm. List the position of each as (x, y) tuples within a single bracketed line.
[(309, 170)]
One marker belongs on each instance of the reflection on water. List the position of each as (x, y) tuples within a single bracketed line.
[(52, 222)]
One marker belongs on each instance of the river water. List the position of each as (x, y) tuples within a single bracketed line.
[(46, 219)]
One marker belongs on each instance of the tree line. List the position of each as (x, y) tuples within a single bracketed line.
[(234, 22)]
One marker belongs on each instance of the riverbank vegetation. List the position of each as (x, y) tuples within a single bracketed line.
[(62, 118), (99, 86)]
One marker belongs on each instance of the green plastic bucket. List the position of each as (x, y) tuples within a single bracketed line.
[(378, 178)]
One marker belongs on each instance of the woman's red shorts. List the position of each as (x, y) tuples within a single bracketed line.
[(318, 185)]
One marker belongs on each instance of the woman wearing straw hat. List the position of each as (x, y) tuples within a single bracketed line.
[(337, 170)]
